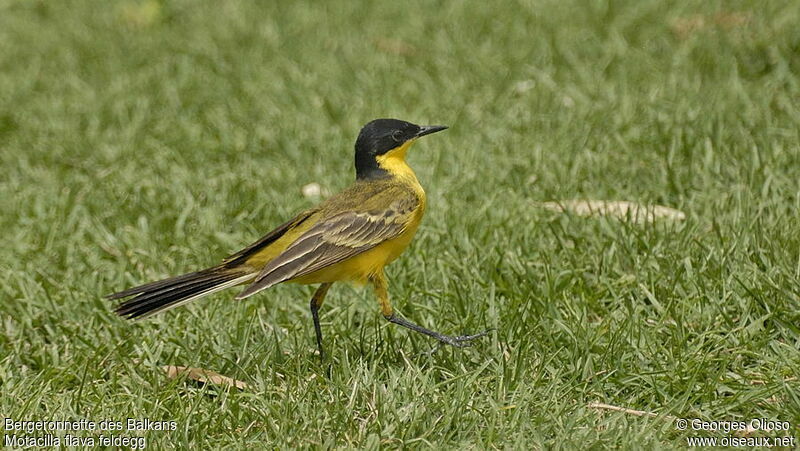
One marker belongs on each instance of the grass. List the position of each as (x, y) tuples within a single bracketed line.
[(142, 139)]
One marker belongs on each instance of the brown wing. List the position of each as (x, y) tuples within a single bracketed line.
[(335, 239)]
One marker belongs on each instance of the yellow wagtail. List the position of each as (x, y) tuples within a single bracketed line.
[(349, 237)]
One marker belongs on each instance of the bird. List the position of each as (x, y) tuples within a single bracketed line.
[(349, 237)]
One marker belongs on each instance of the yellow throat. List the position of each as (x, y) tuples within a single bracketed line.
[(394, 162)]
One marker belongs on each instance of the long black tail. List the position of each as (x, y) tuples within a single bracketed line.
[(165, 294)]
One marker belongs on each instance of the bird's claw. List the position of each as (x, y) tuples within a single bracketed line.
[(461, 341), (467, 338)]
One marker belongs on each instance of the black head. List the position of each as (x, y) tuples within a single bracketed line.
[(381, 136)]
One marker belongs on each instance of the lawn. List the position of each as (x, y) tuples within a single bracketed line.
[(144, 139)]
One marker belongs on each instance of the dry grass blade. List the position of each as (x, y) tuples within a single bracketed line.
[(203, 375), (622, 209), (638, 413), (685, 27), (395, 47)]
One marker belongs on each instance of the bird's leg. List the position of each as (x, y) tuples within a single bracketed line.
[(316, 303), (379, 284)]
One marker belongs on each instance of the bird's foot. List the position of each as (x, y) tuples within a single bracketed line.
[(462, 341)]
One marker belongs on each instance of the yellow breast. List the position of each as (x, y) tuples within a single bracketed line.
[(360, 267)]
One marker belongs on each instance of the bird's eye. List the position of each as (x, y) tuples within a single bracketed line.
[(397, 136)]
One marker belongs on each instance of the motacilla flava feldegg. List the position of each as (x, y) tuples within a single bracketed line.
[(349, 237)]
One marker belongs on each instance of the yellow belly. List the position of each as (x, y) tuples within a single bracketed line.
[(360, 267)]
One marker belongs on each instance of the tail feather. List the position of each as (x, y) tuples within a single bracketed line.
[(165, 294), (154, 297), (147, 304), (179, 287), (153, 286)]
